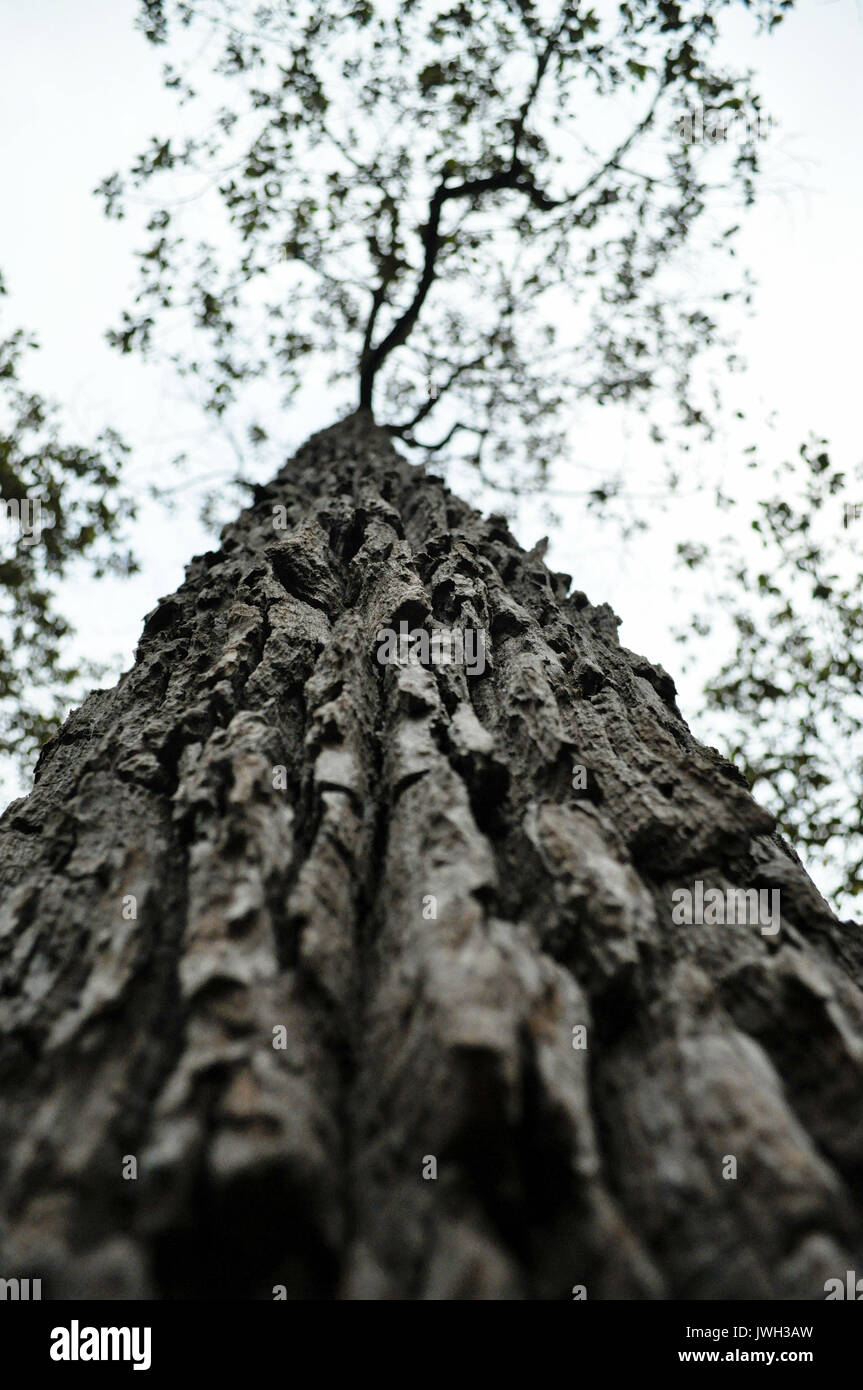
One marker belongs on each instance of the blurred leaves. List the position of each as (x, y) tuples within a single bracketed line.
[(83, 509), (786, 702)]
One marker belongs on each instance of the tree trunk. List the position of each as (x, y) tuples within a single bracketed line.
[(282, 924)]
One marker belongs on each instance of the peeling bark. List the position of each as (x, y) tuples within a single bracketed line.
[(300, 901)]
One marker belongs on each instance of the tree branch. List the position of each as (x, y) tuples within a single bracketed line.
[(514, 177), (402, 431)]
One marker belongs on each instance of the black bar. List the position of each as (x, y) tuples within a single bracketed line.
[(259, 1340)]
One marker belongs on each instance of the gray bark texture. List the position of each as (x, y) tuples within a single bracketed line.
[(407, 1036)]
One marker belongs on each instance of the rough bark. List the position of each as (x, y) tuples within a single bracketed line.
[(259, 907)]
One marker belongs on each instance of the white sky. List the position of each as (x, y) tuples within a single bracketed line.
[(81, 94)]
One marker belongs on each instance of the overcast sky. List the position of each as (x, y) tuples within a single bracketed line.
[(81, 94)]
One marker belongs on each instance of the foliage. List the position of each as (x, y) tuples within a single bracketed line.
[(83, 508), (787, 700)]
